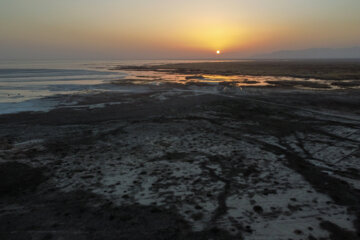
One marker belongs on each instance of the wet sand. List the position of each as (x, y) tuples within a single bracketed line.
[(189, 162)]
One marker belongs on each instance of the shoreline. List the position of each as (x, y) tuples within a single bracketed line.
[(198, 75), (320, 69), (91, 101)]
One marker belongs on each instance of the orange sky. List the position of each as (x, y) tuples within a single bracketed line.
[(147, 29)]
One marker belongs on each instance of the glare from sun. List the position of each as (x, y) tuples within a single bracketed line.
[(218, 52)]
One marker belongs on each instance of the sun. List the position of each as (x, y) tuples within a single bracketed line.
[(218, 52)]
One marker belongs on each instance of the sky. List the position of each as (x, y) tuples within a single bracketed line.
[(170, 29)]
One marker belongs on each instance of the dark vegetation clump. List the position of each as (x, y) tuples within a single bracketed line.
[(17, 178)]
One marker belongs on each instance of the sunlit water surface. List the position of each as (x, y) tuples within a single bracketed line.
[(29, 85), (34, 85)]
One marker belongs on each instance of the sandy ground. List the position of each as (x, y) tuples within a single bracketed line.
[(195, 162)]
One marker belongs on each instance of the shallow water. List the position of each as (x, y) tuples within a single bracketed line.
[(229, 83), (22, 88), (34, 85), (24, 80), (17, 85), (27, 85)]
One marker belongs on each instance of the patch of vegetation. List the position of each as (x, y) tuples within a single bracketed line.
[(309, 84), (17, 178)]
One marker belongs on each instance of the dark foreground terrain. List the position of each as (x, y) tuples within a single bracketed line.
[(166, 164)]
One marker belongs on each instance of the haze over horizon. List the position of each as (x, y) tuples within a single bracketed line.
[(159, 29)]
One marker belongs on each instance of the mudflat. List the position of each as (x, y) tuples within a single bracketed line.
[(321, 69), (190, 162)]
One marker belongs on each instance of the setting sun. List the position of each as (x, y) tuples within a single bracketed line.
[(218, 52)]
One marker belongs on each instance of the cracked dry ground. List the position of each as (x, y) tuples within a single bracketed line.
[(197, 167)]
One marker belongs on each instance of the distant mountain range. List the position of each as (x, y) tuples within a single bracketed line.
[(313, 53)]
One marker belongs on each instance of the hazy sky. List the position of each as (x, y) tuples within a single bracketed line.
[(148, 29)]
